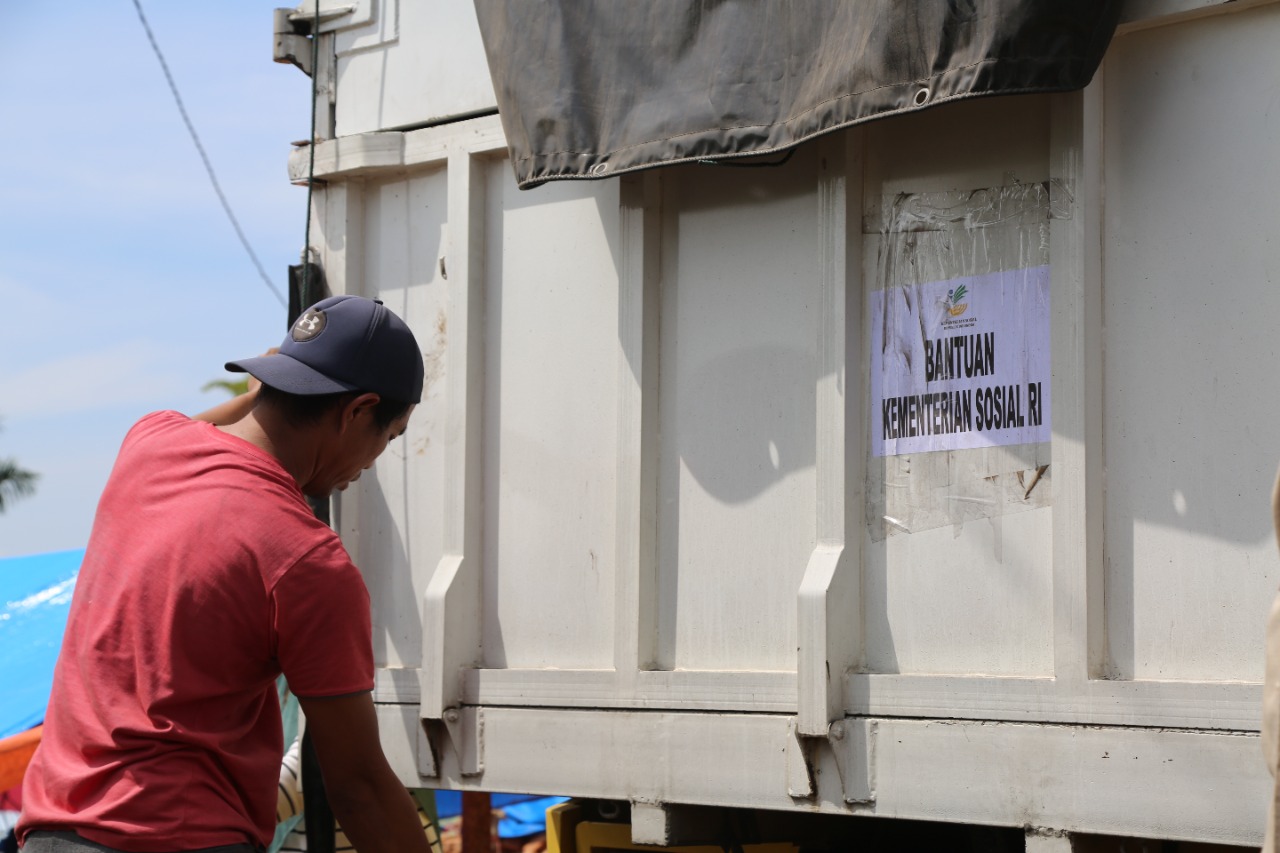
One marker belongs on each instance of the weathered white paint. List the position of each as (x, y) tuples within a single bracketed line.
[(1141, 14), (425, 61), (1047, 841), (973, 596), (737, 413), (403, 229), (635, 600), (1077, 459), (1190, 296), (830, 637), (1122, 781), (625, 550), (550, 441)]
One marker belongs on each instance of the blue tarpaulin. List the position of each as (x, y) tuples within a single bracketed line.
[(527, 818), (35, 596), (522, 814)]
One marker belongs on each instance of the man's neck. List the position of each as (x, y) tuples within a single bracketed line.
[(294, 448)]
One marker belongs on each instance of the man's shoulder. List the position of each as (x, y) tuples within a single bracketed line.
[(326, 554), (159, 421), (178, 440), (323, 569), (158, 426)]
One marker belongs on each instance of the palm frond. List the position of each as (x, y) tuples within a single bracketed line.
[(15, 482), (234, 387)]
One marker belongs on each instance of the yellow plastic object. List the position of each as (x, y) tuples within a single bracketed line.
[(562, 826), (595, 837)]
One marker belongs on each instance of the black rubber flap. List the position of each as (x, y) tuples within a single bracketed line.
[(595, 88)]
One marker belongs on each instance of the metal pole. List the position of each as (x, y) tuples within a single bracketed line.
[(477, 822)]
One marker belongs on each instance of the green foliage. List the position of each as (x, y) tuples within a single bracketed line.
[(959, 294), (234, 387), (14, 482)]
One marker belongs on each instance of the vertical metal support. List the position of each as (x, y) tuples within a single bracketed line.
[(636, 614), (339, 208), (326, 88), (477, 822), (1077, 454), (451, 608), (829, 603), (317, 813)]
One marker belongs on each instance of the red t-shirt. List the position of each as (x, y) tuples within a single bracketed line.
[(206, 576)]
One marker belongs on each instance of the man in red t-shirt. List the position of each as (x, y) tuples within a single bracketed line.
[(206, 577)]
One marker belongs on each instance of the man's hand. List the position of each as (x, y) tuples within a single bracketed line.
[(372, 807), (254, 382)]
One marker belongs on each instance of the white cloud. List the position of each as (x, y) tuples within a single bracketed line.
[(26, 304), (128, 372)]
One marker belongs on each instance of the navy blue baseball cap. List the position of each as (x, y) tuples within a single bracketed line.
[(343, 343)]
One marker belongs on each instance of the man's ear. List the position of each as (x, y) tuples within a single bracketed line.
[(358, 407)]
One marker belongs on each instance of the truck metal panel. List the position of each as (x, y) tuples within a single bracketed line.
[(636, 544)]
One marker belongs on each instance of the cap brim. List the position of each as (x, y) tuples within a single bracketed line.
[(287, 374)]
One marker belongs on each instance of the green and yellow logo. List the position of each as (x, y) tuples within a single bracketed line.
[(954, 306)]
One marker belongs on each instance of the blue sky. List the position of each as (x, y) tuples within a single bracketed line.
[(123, 288)]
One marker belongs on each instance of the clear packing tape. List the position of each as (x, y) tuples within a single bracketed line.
[(921, 238)]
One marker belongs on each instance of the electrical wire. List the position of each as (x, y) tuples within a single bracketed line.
[(204, 157), (311, 169)]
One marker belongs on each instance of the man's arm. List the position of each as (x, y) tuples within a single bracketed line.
[(373, 808), (232, 410), (235, 409)]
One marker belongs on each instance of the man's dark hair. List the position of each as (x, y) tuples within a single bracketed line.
[(302, 410)]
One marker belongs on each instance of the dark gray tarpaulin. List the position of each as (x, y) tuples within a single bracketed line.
[(593, 88)]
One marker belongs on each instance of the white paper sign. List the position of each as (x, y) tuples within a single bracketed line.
[(961, 363)]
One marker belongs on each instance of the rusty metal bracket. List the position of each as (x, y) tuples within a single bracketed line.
[(460, 733)]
